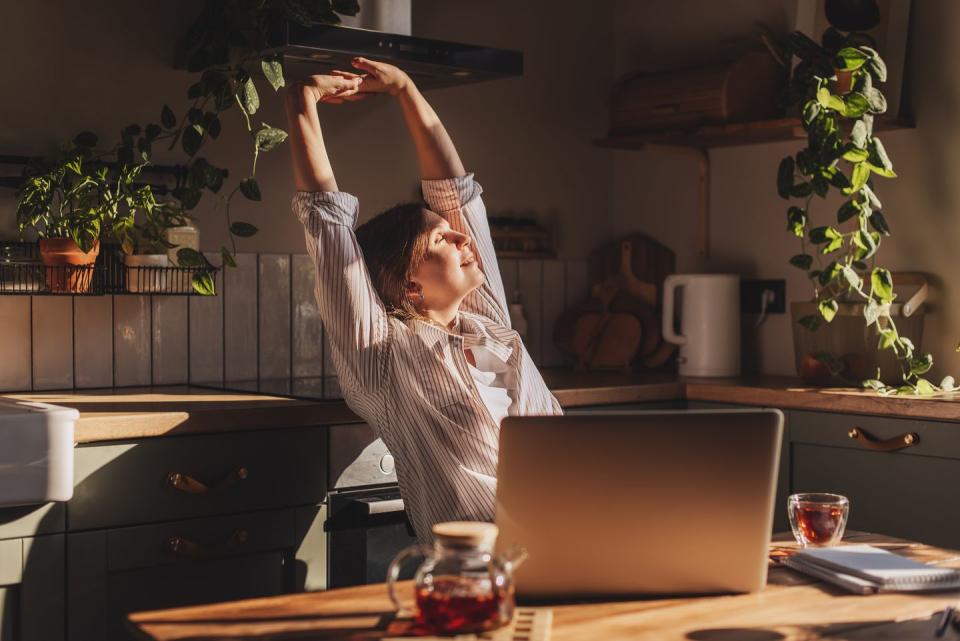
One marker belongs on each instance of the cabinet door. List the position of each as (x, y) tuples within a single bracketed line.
[(32, 589), (895, 494), (114, 572)]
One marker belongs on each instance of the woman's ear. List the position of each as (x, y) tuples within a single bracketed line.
[(414, 293)]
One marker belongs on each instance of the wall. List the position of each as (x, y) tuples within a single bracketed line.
[(72, 66), (655, 191)]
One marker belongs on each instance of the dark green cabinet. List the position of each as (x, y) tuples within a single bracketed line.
[(32, 588)]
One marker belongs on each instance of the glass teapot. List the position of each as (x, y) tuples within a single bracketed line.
[(461, 586)]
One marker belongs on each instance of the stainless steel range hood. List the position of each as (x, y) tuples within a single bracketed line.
[(431, 63)]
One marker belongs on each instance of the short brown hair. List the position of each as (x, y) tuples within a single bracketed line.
[(394, 244)]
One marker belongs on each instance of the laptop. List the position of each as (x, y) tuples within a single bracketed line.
[(660, 502)]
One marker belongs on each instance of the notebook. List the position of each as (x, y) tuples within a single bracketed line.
[(865, 569)]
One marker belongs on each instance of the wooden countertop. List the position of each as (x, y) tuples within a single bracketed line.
[(112, 414), (790, 608)]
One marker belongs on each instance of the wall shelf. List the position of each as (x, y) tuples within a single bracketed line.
[(729, 134)]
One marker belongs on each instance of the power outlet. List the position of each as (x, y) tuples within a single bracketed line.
[(751, 296)]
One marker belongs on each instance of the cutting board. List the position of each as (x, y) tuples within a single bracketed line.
[(650, 261)]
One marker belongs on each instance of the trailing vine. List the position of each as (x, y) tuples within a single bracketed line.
[(835, 87)]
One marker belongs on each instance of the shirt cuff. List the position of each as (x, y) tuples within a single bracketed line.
[(336, 207), (449, 194)]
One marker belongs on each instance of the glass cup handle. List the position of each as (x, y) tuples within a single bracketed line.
[(393, 572)]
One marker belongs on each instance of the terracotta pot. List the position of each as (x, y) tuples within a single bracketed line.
[(69, 269)]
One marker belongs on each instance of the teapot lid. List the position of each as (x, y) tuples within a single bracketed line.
[(478, 534)]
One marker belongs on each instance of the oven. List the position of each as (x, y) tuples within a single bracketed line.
[(366, 524)]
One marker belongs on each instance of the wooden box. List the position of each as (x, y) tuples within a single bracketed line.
[(738, 91)]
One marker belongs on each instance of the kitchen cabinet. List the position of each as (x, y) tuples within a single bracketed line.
[(32, 588), (904, 492)]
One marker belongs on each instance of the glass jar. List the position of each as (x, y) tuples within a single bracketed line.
[(461, 586)]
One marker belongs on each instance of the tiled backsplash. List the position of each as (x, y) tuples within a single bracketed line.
[(263, 325)]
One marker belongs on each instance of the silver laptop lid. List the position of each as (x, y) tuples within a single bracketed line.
[(667, 502)]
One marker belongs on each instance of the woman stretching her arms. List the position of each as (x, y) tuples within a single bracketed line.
[(414, 307)]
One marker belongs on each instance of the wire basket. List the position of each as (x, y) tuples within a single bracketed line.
[(157, 278), (22, 272)]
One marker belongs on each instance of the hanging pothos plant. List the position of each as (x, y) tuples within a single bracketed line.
[(835, 87), (225, 45)]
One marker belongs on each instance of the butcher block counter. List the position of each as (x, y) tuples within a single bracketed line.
[(127, 413), (791, 607)]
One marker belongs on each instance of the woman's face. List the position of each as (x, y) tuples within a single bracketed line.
[(449, 269)]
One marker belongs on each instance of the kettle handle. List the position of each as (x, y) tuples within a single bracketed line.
[(393, 573), (670, 285)]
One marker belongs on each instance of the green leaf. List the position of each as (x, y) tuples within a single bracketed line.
[(801, 190), (85, 139), (859, 134), (828, 309), (819, 235), (881, 284), (925, 387), (203, 284), (810, 111), (887, 339), (874, 384), (850, 59), (785, 177), (796, 221), (273, 71), (211, 123), (189, 197), (250, 189), (866, 245), (878, 69), (810, 322), (802, 261), (191, 140), (878, 102), (227, 257), (855, 155), (879, 160), (832, 246), (948, 384), (852, 277), (872, 311), (249, 98), (152, 131), (847, 211), (167, 119), (187, 257), (269, 137), (855, 104), (829, 101), (872, 198), (244, 230), (859, 177), (194, 116), (879, 223), (921, 364)]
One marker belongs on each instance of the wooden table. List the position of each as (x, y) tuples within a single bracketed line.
[(791, 607)]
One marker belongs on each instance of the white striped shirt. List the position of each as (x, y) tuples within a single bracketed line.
[(410, 380)]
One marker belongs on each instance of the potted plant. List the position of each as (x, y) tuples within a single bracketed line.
[(836, 86)]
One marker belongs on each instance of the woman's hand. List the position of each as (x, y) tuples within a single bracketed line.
[(332, 89), (378, 77)]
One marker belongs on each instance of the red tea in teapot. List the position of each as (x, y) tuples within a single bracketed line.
[(450, 606)]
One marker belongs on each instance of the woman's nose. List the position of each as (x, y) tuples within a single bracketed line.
[(461, 240)]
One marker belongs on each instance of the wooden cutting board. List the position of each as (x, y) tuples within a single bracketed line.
[(651, 262)]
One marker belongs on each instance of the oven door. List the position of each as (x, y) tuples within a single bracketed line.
[(365, 528)]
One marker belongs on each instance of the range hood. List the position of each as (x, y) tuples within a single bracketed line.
[(431, 63)]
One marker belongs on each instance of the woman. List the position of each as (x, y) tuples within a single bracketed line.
[(414, 308)]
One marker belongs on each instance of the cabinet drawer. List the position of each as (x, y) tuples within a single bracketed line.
[(932, 438), (895, 495), (167, 479), (11, 561)]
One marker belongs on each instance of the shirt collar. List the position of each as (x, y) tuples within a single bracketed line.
[(467, 329)]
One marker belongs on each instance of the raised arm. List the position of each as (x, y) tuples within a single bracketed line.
[(354, 318)]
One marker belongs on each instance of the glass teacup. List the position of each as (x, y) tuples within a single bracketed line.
[(818, 520)]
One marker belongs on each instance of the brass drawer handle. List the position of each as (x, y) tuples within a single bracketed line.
[(184, 548), (889, 445), (190, 485)]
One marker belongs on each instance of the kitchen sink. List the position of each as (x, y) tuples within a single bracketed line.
[(36, 452)]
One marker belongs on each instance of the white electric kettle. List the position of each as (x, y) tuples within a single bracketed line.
[(709, 337)]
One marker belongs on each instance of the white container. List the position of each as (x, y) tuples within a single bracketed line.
[(709, 337), (146, 273), (36, 452), (183, 237)]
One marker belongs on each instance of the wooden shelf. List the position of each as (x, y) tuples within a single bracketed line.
[(729, 134)]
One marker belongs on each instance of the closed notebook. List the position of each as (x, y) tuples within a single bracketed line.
[(864, 568)]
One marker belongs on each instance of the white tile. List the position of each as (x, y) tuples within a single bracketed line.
[(169, 341), (206, 333), (15, 375), (307, 327), (93, 341), (530, 286), (554, 285), (52, 342), (240, 319), (131, 340), (274, 303)]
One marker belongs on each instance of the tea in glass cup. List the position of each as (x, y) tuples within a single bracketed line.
[(817, 520)]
